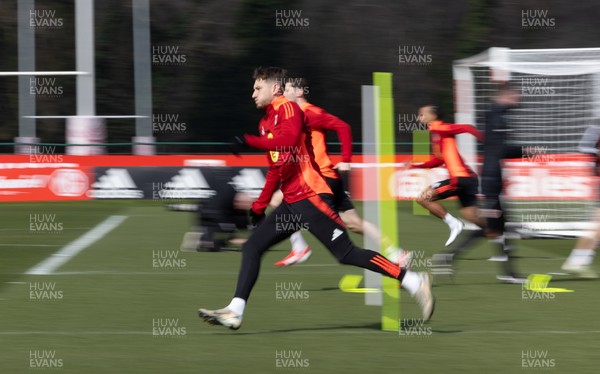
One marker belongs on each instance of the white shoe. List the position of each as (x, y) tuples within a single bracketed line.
[(191, 241), (511, 279), (456, 227), (295, 257), (425, 297), (223, 317), (583, 271)]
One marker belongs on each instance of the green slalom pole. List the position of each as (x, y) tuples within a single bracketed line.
[(421, 150), (388, 213)]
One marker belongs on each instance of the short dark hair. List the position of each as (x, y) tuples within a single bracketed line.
[(300, 83), (297, 82), (435, 109), (273, 73)]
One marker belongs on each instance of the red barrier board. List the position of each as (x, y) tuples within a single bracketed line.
[(564, 177), (43, 177), (46, 182)]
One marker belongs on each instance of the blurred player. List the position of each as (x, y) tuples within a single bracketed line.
[(495, 149), (462, 182), (286, 138), (219, 217), (582, 256), (320, 121)]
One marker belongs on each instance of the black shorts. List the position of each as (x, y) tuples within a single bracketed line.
[(466, 188), (341, 201), (314, 214)]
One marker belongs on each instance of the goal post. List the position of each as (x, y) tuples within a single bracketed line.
[(85, 93), (551, 190)]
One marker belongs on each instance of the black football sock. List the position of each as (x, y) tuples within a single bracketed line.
[(373, 261)]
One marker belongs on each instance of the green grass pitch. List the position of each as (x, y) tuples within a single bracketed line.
[(109, 298)]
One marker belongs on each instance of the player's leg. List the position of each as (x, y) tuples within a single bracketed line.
[(471, 214), (300, 250), (495, 230), (467, 194), (494, 215), (582, 256), (428, 200), (267, 234), (443, 263), (355, 223), (467, 189), (328, 228), (439, 191)]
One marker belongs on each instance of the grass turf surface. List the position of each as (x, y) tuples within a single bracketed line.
[(112, 294)]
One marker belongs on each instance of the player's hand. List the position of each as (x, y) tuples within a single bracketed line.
[(407, 166), (256, 218), (238, 144), (342, 166)]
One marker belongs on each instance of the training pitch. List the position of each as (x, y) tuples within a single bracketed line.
[(122, 298)]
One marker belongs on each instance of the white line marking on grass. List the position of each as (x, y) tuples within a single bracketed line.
[(64, 229), (333, 330), (72, 249)]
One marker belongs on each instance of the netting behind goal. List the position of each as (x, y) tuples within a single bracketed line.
[(551, 188)]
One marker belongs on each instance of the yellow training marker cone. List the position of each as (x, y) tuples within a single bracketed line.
[(350, 283), (539, 283)]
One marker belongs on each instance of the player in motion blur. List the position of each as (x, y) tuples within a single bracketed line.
[(286, 138), (462, 182), (495, 150), (582, 256), (319, 121)]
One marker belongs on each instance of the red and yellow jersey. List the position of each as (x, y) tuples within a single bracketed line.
[(445, 151), (286, 138), (320, 121)]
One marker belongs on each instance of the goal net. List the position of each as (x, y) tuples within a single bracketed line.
[(551, 189)]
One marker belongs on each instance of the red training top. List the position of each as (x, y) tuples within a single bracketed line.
[(445, 151), (286, 137), (320, 121)]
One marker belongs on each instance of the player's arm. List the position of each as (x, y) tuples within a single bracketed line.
[(454, 129), (291, 127), (327, 121), (433, 163), (271, 184)]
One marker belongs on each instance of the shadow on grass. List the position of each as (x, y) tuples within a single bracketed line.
[(369, 326), (327, 289)]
